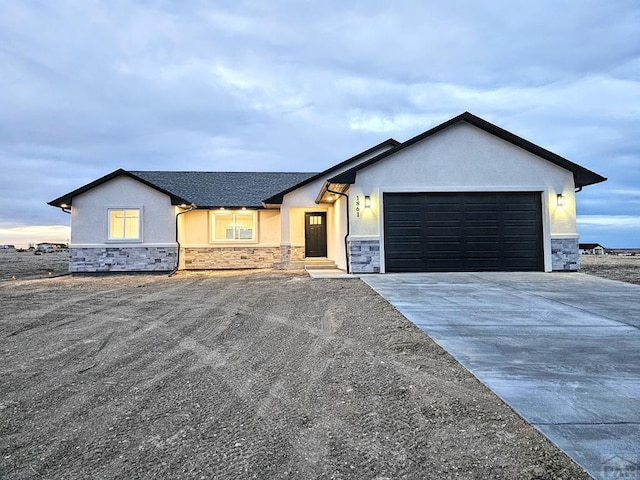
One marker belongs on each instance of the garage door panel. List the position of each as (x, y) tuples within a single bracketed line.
[(446, 217), (481, 217), (481, 246), (481, 207), (517, 216), (453, 240), (481, 231), (409, 232), (463, 231)]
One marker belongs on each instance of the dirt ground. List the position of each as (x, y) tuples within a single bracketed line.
[(16, 265), (242, 375), (26, 265), (625, 269)]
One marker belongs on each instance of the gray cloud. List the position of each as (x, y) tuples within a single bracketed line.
[(87, 87)]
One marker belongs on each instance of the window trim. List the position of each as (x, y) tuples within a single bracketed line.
[(212, 226), (137, 239)]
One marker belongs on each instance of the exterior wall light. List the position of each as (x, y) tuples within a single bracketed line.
[(561, 200), (367, 201)]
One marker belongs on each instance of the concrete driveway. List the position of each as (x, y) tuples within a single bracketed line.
[(563, 350)]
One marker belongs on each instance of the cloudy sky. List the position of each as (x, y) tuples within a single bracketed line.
[(88, 86)]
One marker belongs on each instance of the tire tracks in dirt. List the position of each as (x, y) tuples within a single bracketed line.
[(270, 375)]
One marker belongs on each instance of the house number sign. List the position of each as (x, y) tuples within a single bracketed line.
[(358, 206)]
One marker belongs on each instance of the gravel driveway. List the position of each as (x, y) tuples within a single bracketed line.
[(261, 375)]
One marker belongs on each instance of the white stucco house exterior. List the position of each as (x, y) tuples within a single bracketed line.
[(465, 195), (591, 249)]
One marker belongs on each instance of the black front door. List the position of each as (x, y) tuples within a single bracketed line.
[(315, 234)]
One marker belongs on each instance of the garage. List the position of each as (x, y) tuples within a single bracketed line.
[(463, 232)]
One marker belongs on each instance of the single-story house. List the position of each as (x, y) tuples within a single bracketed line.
[(465, 195), (591, 249)]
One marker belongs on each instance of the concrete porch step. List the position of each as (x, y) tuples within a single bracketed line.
[(320, 262), (314, 263)]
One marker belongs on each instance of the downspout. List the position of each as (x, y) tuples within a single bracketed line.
[(346, 244), (191, 207)]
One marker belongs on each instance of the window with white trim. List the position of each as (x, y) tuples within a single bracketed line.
[(125, 224), (233, 226)]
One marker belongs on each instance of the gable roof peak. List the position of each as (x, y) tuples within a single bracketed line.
[(67, 199), (582, 176)]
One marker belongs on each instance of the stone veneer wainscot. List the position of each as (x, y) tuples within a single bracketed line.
[(289, 254), (565, 255), (364, 256), (122, 259), (222, 258)]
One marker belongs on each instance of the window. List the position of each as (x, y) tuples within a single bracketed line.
[(315, 219), (233, 226), (124, 224)]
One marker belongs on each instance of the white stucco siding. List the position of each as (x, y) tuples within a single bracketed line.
[(304, 199), (337, 229), (294, 204), (89, 213), (464, 158), (292, 215)]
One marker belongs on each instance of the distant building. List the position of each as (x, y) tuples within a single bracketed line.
[(48, 247), (591, 249)]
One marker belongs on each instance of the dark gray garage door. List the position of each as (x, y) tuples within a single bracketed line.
[(463, 232)]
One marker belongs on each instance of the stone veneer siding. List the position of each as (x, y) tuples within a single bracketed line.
[(565, 255), (364, 256), (288, 254), (121, 259), (221, 258)]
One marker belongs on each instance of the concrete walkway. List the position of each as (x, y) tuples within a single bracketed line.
[(330, 273), (563, 350)]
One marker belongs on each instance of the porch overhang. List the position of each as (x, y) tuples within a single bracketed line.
[(328, 192)]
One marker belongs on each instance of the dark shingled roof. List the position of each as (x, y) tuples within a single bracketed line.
[(224, 189), (205, 189), (589, 246)]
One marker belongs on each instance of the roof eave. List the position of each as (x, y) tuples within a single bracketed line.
[(231, 207), (278, 198), (275, 199), (67, 199), (348, 177), (329, 189), (584, 180)]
